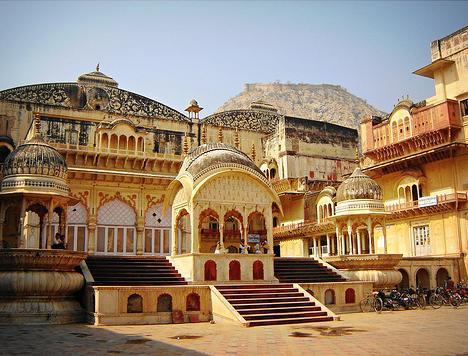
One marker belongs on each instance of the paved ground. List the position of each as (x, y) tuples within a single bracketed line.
[(422, 332)]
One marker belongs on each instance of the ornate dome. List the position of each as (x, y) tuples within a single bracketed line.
[(35, 164), (358, 186), (213, 155), (97, 78)]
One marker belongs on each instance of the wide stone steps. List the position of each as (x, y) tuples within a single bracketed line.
[(269, 304), (125, 270), (303, 270)]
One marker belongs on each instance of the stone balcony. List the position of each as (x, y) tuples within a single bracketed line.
[(438, 203)]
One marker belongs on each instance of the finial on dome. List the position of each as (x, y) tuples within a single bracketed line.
[(97, 67), (357, 156)]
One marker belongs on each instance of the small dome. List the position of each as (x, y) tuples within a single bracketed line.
[(213, 155), (193, 102), (35, 157), (97, 78), (358, 186)]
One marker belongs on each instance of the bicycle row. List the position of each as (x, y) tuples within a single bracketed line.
[(413, 299)]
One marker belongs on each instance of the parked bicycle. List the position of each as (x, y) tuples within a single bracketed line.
[(442, 296)]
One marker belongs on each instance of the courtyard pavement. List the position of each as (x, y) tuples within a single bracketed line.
[(418, 332)]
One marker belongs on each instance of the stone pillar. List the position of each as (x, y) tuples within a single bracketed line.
[(221, 236), (370, 232), (328, 245), (91, 233), (358, 237), (315, 247), (140, 230), (319, 247), (343, 245), (333, 250), (269, 227), (194, 232), (350, 240), (175, 240), (384, 232)]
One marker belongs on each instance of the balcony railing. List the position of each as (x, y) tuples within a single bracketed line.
[(66, 147), (439, 200)]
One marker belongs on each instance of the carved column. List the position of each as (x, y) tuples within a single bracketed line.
[(358, 238), (91, 233), (221, 236), (333, 251), (140, 230), (319, 252), (384, 232), (269, 227), (194, 231), (175, 240), (21, 239), (350, 239), (370, 232), (328, 245), (315, 247)]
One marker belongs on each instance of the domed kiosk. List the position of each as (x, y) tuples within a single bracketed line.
[(222, 212), (37, 283), (359, 213)]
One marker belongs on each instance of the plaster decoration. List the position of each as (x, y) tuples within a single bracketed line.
[(116, 212), (155, 218), (77, 214), (152, 200), (75, 96), (82, 196), (180, 197), (253, 120), (235, 188), (129, 199)]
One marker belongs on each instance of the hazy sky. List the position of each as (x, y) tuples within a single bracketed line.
[(175, 51)]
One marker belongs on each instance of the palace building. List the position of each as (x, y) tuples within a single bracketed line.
[(173, 216)]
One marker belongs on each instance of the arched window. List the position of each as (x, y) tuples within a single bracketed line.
[(441, 277), (104, 140), (131, 143), (157, 238), (116, 228), (135, 304), (234, 270), (258, 270), (193, 302), (422, 278), (350, 296), (210, 270), (275, 221), (114, 141), (404, 284), (164, 303), (122, 142), (330, 297)]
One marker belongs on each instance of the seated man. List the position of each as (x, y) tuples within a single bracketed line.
[(243, 247)]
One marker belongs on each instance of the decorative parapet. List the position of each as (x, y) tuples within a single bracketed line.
[(303, 229), (253, 120), (87, 97), (34, 259), (365, 262)]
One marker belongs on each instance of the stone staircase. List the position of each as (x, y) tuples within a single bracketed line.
[(304, 270), (136, 271), (270, 304)]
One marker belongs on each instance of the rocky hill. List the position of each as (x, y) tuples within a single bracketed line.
[(323, 102)]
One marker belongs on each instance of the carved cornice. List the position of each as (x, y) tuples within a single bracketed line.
[(129, 199)]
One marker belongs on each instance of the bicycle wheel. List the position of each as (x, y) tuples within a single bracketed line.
[(455, 301), (421, 302), (377, 305), (436, 301), (366, 305)]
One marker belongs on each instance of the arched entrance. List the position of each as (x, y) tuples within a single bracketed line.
[(404, 284), (234, 270), (256, 229), (77, 230), (157, 238), (422, 278), (184, 233), (441, 277)]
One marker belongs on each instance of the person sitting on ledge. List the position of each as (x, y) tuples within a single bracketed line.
[(265, 246), (59, 243), (218, 248)]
